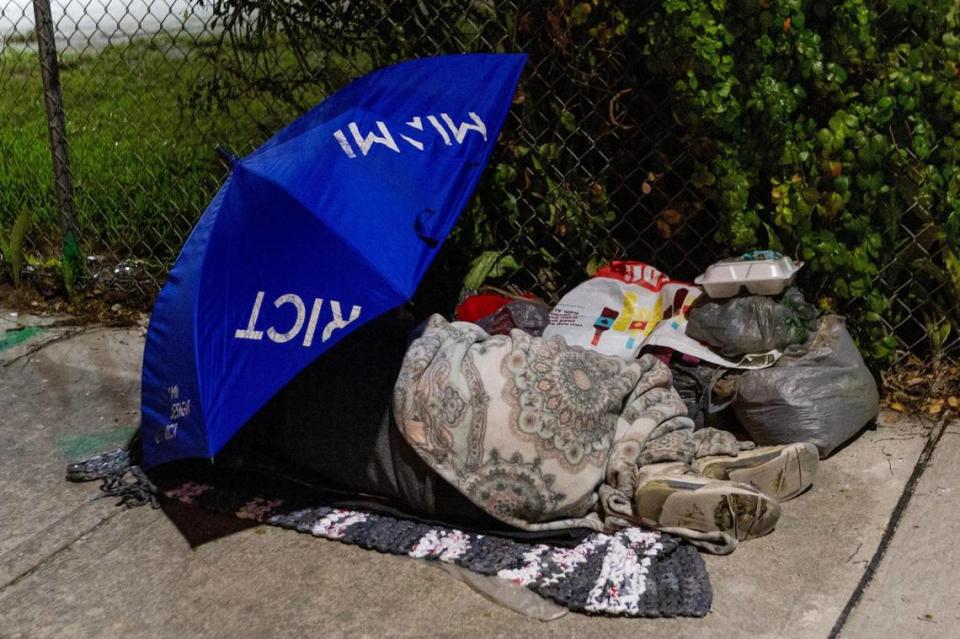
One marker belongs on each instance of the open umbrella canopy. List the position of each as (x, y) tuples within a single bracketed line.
[(329, 224)]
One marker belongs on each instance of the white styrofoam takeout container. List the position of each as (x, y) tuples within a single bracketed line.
[(769, 276)]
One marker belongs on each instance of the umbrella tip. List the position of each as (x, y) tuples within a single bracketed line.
[(226, 155)]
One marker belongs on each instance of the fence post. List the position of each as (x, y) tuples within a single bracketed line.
[(71, 262)]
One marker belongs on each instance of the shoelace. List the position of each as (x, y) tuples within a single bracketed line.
[(138, 492)]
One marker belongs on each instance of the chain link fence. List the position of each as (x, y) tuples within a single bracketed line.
[(590, 167)]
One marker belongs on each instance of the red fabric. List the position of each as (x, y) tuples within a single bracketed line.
[(477, 307), (637, 273), (634, 273)]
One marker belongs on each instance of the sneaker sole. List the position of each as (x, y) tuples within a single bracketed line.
[(716, 506), (782, 474)]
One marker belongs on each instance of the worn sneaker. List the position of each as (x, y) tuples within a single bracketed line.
[(783, 472), (670, 496)]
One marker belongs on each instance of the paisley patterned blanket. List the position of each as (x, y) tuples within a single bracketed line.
[(539, 434)]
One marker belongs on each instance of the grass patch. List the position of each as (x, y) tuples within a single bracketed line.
[(21, 37), (144, 163)]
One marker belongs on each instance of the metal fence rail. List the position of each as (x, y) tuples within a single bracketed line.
[(591, 165)]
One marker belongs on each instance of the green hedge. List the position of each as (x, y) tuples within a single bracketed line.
[(832, 129)]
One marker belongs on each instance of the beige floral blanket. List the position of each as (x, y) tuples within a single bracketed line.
[(530, 429)]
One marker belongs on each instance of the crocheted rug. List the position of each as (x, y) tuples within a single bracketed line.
[(633, 573)]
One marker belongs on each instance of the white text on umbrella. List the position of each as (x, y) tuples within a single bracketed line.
[(292, 299), (366, 142)]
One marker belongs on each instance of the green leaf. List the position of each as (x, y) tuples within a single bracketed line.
[(702, 177), (489, 265), (592, 265), (72, 263), (503, 267), (13, 251), (550, 151), (773, 242)]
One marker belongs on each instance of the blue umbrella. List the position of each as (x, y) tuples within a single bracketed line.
[(331, 223)]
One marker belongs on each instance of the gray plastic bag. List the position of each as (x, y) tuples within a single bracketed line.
[(747, 324), (820, 393)]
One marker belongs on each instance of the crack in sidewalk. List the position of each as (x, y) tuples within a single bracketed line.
[(33, 350), (905, 496), (53, 555)]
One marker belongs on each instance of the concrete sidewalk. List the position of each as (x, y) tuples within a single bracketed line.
[(71, 567)]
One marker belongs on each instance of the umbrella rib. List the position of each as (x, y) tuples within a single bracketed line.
[(349, 245), (218, 201), (398, 185)]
